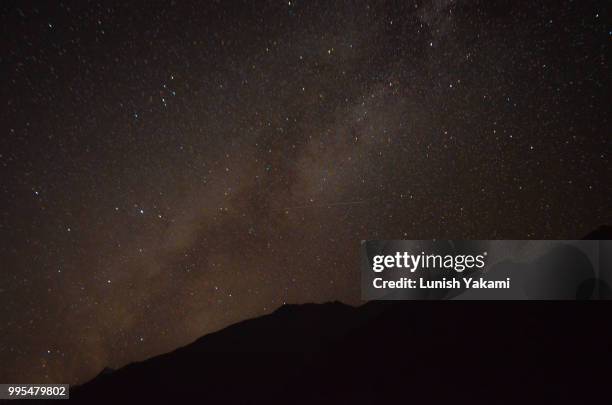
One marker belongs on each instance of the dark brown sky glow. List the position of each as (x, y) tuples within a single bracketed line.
[(169, 170)]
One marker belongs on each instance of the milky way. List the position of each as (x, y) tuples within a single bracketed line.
[(169, 170)]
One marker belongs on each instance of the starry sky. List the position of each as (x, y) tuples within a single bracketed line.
[(170, 169)]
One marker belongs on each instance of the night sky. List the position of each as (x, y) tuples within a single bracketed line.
[(167, 170)]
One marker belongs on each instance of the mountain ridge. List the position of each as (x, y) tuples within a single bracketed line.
[(334, 352)]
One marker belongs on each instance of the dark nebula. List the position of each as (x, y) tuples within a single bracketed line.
[(170, 169)]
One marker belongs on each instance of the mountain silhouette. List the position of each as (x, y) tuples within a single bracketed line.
[(604, 232), (418, 352)]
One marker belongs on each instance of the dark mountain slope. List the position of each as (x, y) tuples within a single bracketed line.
[(427, 351), (604, 232), (411, 351)]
